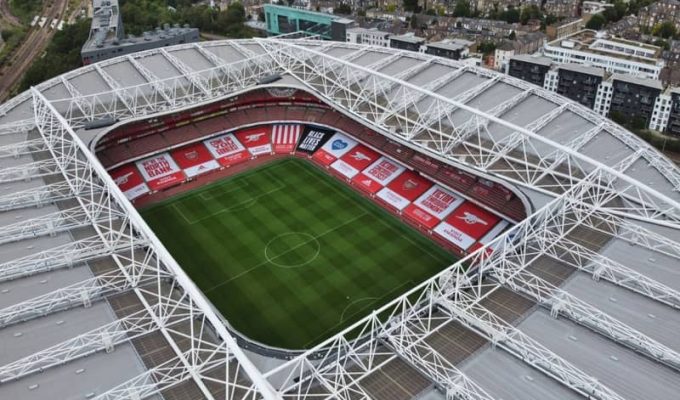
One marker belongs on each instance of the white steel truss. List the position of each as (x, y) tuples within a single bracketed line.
[(82, 293), (511, 339), (105, 337), (601, 267), (28, 171), (337, 367), (22, 148), (49, 224), (98, 191), (196, 79)]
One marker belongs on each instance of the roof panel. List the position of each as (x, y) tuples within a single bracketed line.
[(628, 373), (656, 320)]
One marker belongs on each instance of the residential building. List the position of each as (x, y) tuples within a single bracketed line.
[(107, 37), (529, 68), (564, 28), (454, 49), (561, 8), (281, 20), (615, 55), (524, 44), (371, 37), (660, 11), (673, 124), (641, 101), (409, 42), (579, 83), (634, 98)]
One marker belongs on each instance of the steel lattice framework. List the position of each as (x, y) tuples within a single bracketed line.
[(584, 193)]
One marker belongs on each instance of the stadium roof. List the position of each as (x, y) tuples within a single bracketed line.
[(580, 299)]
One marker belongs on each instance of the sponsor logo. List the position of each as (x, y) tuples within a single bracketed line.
[(254, 137), (191, 155), (122, 180), (359, 156), (339, 144), (410, 184), (471, 219)]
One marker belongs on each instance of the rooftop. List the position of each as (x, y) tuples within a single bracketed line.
[(93, 306)]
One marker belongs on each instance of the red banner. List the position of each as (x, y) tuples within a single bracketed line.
[(256, 140), (410, 185), (130, 181), (472, 220), (160, 171), (285, 137), (227, 150), (195, 159)]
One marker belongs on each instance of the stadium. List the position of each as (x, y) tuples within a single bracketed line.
[(290, 218)]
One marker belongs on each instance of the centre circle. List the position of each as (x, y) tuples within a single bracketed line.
[(283, 249)]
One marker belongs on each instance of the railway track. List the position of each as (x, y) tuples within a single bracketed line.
[(33, 46), (6, 14)]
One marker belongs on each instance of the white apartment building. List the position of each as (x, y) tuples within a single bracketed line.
[(371, 37), (615, 55)]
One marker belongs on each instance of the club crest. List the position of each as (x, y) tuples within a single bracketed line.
[(472, 219), (122, 180)]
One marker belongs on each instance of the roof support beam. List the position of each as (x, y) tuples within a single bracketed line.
[(99, 339), (29, 171), (24, 147), (194, 77), (82, 293), (159, 86), (36, 197), (15, 127), (50, 224), (562, 303), (77, 98), (502, 148), (601, 267), (515, 342), (171, 373), (63, 256), (65, 145), (120, 93), (408, 341)]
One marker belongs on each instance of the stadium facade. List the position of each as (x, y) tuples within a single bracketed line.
[(579, 299)]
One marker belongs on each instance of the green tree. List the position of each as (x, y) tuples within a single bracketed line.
[(462, 9), (61, 55), (596, 22), (342, 9), (664, 29), (512, 36), (511, 15), (411, 5), (662, 43), (530, 12)]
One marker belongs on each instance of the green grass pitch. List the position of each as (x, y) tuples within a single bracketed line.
[(290, 255)]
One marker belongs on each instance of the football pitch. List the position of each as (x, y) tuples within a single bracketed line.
[(290, 255)]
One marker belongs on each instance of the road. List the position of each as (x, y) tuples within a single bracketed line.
[(32, 47), (6, 14)]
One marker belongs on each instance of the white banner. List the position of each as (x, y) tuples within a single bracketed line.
[(438, 201), (453, 235), (201, 168), (393, 198), (344, 168), (491, 235), (137, 191), (338, 145), (383, 170), (158, 166), (224, 145)]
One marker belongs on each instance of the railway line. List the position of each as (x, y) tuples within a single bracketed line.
[(33, 46)]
